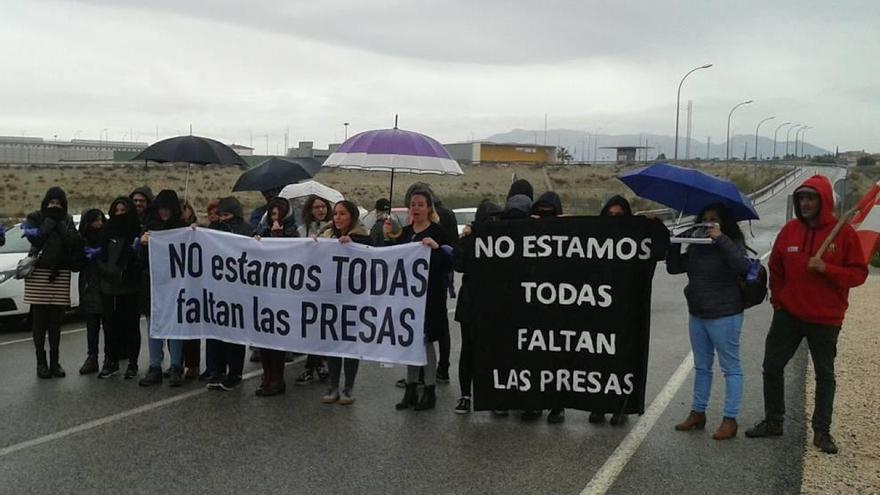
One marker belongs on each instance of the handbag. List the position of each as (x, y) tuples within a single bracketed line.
[(26, 265)]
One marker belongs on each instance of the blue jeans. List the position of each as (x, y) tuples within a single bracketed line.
[(175, 348), (717, 335)]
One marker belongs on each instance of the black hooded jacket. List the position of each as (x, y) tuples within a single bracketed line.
[(144, 217), (521, 186), (166, 198), (119, 264), (89, 275), (57, 240), (288, 219)]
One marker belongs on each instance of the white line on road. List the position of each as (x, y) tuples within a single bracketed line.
[(31, 339), (120, 415), (618, 459)]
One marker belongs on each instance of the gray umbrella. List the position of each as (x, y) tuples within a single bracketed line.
[(276, 173)]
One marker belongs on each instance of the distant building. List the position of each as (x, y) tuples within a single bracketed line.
[(629, 154), (501, 153), (38, 150), (242, 150), (306, 149)]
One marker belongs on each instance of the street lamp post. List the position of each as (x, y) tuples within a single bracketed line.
[(780, 126), (345, 124), (729, 115), (678, 105), (756, 135), (788, 136), (803, 138), (803, 128)]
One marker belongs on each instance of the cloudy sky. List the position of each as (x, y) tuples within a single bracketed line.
[(454, 69)]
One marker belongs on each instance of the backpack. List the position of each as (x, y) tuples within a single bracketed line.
[(753, 286)]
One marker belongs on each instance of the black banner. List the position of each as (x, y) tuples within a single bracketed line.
[(564, 308)]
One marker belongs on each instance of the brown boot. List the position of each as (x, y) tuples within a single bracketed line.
[(727, 430), (695, 421)]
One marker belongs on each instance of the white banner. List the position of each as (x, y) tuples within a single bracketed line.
[(290, 294)]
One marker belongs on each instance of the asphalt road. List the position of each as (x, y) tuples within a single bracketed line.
[(83, 435)]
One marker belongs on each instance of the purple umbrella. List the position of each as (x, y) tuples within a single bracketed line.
[(394, 150)]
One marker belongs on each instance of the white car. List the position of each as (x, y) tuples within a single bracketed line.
[(464, 216), (11, 289)]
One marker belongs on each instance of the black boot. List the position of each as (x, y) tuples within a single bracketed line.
[(54, 366), (153, 377), (428, 400), (410, 397), (42, 365)]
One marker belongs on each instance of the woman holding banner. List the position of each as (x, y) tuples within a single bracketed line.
[(316, 214), (347, 228), (278, 222), (716, 314), (425, 229)]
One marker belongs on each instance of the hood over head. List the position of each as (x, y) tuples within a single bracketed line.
[(145, 191), (548, 205), (126, 225), (617, 200), (821, 185), (521, 186), (230, 204), (283, 204), (166, 198), (54, 192), (88, 216)]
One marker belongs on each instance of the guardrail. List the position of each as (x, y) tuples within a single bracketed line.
[(670, 216)]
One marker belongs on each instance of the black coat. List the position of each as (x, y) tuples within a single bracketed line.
[(58, 239), (120, 265), (436, 320), (90, 302)]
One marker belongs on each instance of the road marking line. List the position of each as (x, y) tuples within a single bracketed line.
[(608, 473), (120, 415), (31, 339)]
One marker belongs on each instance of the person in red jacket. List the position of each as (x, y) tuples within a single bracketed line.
[(809, 296)]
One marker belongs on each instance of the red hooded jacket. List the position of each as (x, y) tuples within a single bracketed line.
[(810, 296)]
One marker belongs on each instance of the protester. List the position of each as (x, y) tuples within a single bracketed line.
[(278, 222), (448, 222), (549, 205), (165, 215), (192, 348), (425, 229), (56, 244), (91, 226), (226, 360), (347, 228), (465, 310), (142, 197), (211, 210), (715, 306), (259, 212), (616, 206), (316, 214), (188, 214), (121, 272), (809, 294), (381, 211)]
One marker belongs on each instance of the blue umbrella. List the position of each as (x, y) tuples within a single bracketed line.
[(687, 190)]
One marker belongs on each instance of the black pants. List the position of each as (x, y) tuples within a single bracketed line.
[(466, 360), (313, 362), (224, 357), (336, 365), (445, 345), (122, 333), (93, 333), (46, 319), (786, 333), (192, 353)]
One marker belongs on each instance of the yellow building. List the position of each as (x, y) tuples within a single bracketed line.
[(502, 153)]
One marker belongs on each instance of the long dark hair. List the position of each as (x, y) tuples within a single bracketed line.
[(353, 212), (307, 210), (729, 227)]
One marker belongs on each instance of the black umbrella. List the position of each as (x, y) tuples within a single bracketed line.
[(277, 172), (190, 149)]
